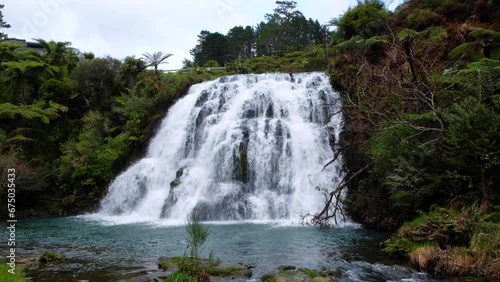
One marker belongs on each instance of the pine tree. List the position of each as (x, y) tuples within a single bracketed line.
[(3, 24)]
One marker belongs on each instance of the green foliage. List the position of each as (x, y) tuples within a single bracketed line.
[(367, 19), (89, 116), (88, 55), (311, 59), (180, 276), (411, 188), (268, 278), (472, 140), (130, 70), (391, 142), (36, 111), (197, 235), (309, 272), (50, 256), (98, 81), (156, 59), (192, 265), (479, 78), (90, 158), (211, 64), (452, 10), (211, 46), (448, 234), (468, 50), (485, 45), (431, 33), (3, 24), (423, 18), (285, 30), (403, 246), (240, 43), (59, 53), (5, 276), (441, 227)]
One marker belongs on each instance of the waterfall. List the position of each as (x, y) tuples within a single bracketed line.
[(242, 147)]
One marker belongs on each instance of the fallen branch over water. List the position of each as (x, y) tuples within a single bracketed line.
[(333, 204)]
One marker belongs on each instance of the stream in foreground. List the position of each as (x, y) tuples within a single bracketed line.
[(98, 249)]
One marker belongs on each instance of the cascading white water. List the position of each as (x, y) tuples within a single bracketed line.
[(237, 148)]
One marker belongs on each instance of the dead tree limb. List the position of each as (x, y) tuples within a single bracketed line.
[(333, 203), (333, 160)]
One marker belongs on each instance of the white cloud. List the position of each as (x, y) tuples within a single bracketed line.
[(132, 27)]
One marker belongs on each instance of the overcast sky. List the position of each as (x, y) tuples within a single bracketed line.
[(121, 28)]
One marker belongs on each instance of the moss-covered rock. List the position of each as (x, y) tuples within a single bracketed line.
[(268, 277), (50, 256), (165, 263), (289, 273), (180, 276), (332, 272), (178, 175), (287, 267), (309, 272), (215, 269)]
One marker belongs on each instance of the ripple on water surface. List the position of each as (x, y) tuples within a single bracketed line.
[(98, 244)]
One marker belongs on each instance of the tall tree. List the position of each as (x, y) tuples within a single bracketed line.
[(59, 53), (282, 21), (265, 39), (98, 81), (287, 30), (130, 69), (211, 46), (3, 24), (240, 43), (367, 19), (156, 59)]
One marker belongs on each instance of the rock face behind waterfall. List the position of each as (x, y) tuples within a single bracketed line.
[(240, 147)]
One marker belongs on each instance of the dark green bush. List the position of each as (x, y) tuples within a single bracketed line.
[(421, 19)]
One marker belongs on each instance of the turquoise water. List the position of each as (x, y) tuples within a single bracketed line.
[(94, 246)]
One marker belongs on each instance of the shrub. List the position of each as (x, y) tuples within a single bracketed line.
[(367, 19), (197, 235), (421, 19), (50, 256), (211, 64)]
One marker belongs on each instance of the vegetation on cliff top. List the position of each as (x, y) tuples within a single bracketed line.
[(70, 122), (421, 91)]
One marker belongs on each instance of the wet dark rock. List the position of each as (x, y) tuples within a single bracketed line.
[(314, 83), (249, 113), (222, 102), (287, 267), (202, 98), (179, 172), (202, 115), (178, 175), (240, 159), (332, 272), (322, 96), (270, 110), (223, 79)]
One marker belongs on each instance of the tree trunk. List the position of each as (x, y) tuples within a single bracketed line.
[(485, 203), (409, 58)]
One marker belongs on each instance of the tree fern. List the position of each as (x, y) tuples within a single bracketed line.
[(407, 34), (482, 78), (29, 112), (468, 50)]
